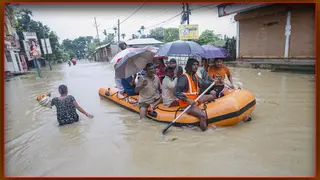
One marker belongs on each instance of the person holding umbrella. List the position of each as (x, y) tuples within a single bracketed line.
[(149, 88), (217, 71), (187, 90)]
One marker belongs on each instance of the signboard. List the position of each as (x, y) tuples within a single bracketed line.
[(188, 32), (227, 9), (31, 45), (43, 44)]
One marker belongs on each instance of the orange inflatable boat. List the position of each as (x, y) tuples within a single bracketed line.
[(233, 107)]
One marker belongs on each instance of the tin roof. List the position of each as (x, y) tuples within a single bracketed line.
[(143, 41)]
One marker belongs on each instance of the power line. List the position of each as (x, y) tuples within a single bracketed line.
[(148, 19), (165, 10), (155, 25), (164, 21), (133, 13)]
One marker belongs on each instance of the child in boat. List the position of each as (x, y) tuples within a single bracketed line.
[(217, 72), (187, 90), (149, 88), (66, 107)]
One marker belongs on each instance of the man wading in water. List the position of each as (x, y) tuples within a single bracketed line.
[(66, 107)]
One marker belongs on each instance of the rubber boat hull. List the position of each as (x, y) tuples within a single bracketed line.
[(232, 108)]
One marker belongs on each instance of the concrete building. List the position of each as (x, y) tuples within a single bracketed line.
[(140, 43), (13, 62), (282, 34)]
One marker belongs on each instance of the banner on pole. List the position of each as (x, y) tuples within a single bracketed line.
[(190, 31), (43, 44), (31, 45)]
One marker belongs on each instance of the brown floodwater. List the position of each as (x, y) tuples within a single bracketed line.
[(279, 141)]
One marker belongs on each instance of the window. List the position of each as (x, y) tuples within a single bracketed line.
[(8, 56)]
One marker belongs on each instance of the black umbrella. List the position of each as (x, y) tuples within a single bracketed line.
[(180, 47)]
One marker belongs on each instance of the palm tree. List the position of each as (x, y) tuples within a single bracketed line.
[(123, 35), (142, 28), (139, 31)]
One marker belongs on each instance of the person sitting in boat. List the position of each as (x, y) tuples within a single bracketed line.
[(173, 63), (187, 90), (168, 85), (159, 68), (66, 107), (129, 85), (217, 71), (149, 88), (204, 69)]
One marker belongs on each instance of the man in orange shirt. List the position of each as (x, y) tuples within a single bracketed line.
[(217, 72)]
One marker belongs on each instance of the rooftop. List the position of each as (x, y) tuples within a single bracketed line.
[(144, 41)]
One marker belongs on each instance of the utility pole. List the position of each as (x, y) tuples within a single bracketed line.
[(96, 26), (188, 13), (118, 30), (45, 44)]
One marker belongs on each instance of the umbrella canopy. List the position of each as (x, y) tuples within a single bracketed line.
[(212, 52), (180, 47), (122, 53), (133, 63), (152, 49)]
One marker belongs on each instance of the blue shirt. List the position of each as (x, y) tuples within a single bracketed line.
[(130, 90)]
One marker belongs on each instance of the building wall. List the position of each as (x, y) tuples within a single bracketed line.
[(302, 39), (9, 62), (262, 36), (262, 32)]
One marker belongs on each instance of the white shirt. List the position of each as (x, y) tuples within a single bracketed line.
[(168, 86)]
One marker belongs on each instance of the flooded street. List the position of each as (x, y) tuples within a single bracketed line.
[(279, 141)]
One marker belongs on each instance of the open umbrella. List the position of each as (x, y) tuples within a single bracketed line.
[(180, 47), (122, 53), (133, 63), (212, 52), (152, 49)]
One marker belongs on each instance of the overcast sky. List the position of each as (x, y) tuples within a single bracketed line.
[(74, 20)]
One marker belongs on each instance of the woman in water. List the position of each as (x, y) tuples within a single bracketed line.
[(66, 107)]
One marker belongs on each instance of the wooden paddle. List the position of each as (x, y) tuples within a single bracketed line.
[(169, 125)]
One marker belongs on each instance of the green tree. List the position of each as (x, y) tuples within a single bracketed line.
[(25, 23), (78, 46), (171, 34), (109, 38), (157, 33), (209, 37)]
